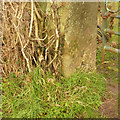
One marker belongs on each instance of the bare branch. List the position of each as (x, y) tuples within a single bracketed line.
[(36, 11), (40, 39), (31, 18)]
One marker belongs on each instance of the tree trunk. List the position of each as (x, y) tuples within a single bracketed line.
[(78, 23)]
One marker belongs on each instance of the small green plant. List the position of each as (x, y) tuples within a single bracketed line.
[(37, 96)]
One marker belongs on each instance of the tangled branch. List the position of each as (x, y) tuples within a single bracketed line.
[(31, 38)]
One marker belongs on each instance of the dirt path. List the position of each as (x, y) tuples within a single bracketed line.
[(109, 108)]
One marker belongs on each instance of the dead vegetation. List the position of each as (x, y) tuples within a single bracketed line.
[(31, 37)]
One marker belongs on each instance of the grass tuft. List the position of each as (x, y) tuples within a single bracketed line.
[(36, 96)]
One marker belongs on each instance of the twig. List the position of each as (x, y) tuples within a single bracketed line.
[(31, 18), (36, 26), (4, 72), (40, 39), (35, 60), (57, 41), (12, 6), (22, 49), (36, 29), (47, 50), (36, 11), (52, 37), (20, 16), (16, 12)]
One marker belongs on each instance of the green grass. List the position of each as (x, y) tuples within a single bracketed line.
[(36, 96), (109, 71)]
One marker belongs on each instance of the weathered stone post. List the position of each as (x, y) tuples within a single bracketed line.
[(78, 22)]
